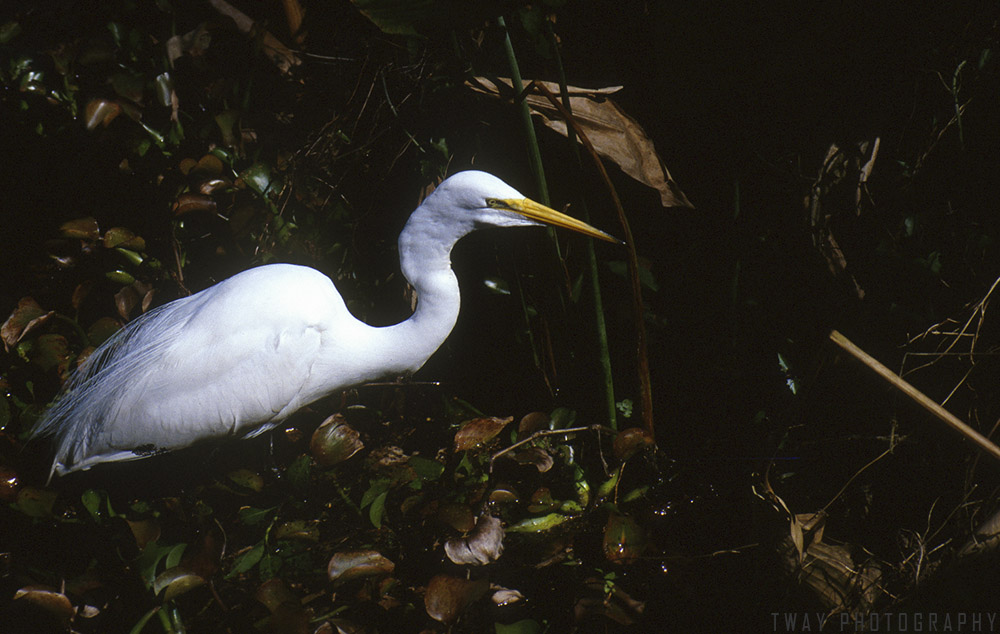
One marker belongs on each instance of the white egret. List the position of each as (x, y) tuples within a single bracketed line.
[(242, 355)]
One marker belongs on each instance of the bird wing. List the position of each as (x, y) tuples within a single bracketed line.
[(234, 359)]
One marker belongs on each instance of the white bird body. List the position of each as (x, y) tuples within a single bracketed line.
[(239, 357)]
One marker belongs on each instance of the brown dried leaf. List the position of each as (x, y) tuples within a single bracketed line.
[(477, 431), (26, 316), (100, 112), (483, 546), (358, 563), (630, 441), (614, 134), (447, 597), (540, 458)]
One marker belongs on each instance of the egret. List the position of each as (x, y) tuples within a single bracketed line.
[(237, 358)]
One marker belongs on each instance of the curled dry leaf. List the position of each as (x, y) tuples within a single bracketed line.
[(540, 458), (334, 441), (48, 600), (477, 431), (27, 316), (447, 597), (505, 596), (483, 546), (614, 134), (358, 563), (630, 441), (100, 112)]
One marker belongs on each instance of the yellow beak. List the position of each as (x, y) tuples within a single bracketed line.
[(540, 213)]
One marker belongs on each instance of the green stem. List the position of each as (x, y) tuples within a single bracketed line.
[(604, 350), (534, 153)]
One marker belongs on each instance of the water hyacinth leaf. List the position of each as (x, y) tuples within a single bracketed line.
[(532, 422), (91, 500), (478, 431), (35, 502), (247, 479), (123, 237), (483, 546), (503, 494), (257, 177), (334, 441), (144, 531), (228, 121), (447, 597), (542, 500), (624, 540), (301, 530), (101, 330), (288, 616), (164, 89), (188, 202), (538, 524), (524, 626), (299, 472), (630, 441), (128, 85), (250, 516), (458, 516), (10, 482), (100, 112), (176, 581), (562, 418), (48, 600), (51, 352), (81, 228), (377, 509), (119, 276), (358, 564)]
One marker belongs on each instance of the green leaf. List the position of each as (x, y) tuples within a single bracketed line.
[(525, 626), (91, 500), (377, 487), (250, 515), (246, 561), (300, 472), (425, 468), (377, 510), (538, 524)]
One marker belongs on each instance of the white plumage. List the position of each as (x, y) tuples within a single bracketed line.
[(239, 357)]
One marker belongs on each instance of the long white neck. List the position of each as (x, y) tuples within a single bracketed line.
[(425, 258)]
